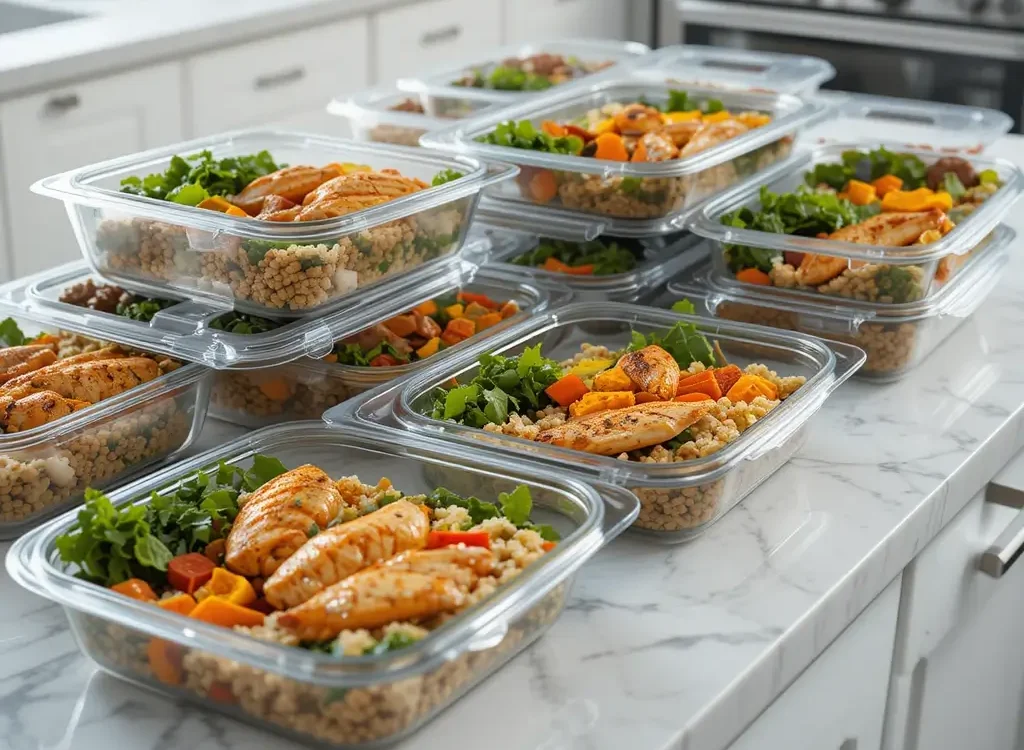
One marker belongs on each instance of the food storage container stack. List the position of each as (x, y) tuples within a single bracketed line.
[(685, 483), (365, 689)]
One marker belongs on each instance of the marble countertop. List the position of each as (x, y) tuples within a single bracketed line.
[(660, 647), (122, 34)]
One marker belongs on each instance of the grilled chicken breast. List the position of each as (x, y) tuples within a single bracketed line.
[(711, 134), (817, 269), (891, 229), (20, 360), (355, 191), (343, 550), (83, 381), (609, 433), (372, 598), (653, 370), (464, 565), (278, 518), (293, 183), (659, 146), (36, 410)]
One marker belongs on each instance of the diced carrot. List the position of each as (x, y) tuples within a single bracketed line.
[(401, 325), (383, 360), (886, 184), (488, 320), (188, 572), (509, 309), (567, 389), (587, 269), (543, 186), (480, 299), (644, 397), (693, 397), (135, 588), (427, 308), (552, 128), (221, 692), (554, 265), (610, 146), (438, 539), (613, 379), (861, 193), (454, 311), (727, 377), (475, 310), (331, 358), (597, 401), (749, 387), (460, 327), (46, 338), (276, 389), (180, 603), (228, 585), (639, 152), (165, 661), (430, 348), (548, 546), (754, 276), (703, 382), (216, 203), (220, 611)]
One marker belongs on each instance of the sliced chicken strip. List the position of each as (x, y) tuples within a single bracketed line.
[(293, 183), (464, 565), (280, 517), (892, 229), (652, 369), (371, 599), (21, 360), (36, 410), (711, 134), (84, 381), (609, 433), (385, 184), (345, 549)]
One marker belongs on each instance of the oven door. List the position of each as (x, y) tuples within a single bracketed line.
[(875, 54)]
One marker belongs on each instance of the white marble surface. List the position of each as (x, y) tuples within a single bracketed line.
[(660, 647)]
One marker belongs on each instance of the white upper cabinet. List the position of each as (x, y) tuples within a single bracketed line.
[(533, 20), (421, 37), (285, 81), (68, 127)]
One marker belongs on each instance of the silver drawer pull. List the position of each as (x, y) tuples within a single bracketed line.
[(273, 80), (59, 105), (1006, 489), (439, 36)]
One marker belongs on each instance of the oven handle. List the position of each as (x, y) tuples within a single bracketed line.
[(811, 24)]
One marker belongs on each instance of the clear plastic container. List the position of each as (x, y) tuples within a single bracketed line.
[(741, 69), (678, 500), (46, 469), (909, 123), (657, 259), (351, 702), (895, 338), (646, 198), (372, 115), (272, 268), (305, 389), (442, 84), (875, 273)]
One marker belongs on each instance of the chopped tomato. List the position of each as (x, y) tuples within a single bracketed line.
[(188, 572), (437, 539), (383, 360)]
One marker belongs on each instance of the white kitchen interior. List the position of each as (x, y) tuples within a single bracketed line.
[(867, 596)]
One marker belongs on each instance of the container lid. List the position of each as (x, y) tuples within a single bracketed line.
[(960, 297), (740, 68), (910, 123), (786, 176), (183, 330), (442, 81), (374, 106)]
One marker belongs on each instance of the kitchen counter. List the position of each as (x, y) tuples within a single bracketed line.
[(660, 647), (120, 34)]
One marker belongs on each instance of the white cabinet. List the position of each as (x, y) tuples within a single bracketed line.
[(958, 669), (532, 20), (420, 37), (68, 127), (285, 81), (838, 703)]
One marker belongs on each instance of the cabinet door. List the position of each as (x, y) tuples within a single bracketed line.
[(838, 703), (285, 81), (66, 128), (958, 677), (420, 37), (566, 19)]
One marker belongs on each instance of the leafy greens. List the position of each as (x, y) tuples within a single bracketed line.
[(606, 257), (524, 135), (516, 507), (868, 166), (189, 180), (683, 341)]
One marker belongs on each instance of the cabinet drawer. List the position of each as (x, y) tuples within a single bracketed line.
[(271, 81), (566, 19), (420, 37)]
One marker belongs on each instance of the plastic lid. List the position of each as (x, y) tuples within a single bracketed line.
[(921, 125), (741, 69), (183, 330), (375, 106)]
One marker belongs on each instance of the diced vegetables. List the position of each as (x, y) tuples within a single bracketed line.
[(401, 325), (455, 311), (225, 584), (189, 572), (543, 186), (509, 309), (753, 276), (749, 387), (886, 184), (727, 377), (596, 401), (458, 329), (488, 320), (567, 389), (135, 588), (922, 199), (219, 611), (861, 193), (475, 310), (480, 299), (276, 389), (692, 397), (643, 397), (614, 379), (183, 604), (430, 348), (588, 368), (610, 146), (553, 128), (703, 382), (437, 539), (428, 308), (165, 660)]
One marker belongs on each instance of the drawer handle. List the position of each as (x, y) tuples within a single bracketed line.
[(439, 36), (62, 104), (1009, 545), (274, 80)]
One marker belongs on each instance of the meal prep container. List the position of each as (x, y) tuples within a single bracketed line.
[(46, 469), (442, 82), (275, 269), (644, 198), (895, 337), (662, 257), (371, 118), (354, 701), (929, 266), (678, 501), (741, 69)]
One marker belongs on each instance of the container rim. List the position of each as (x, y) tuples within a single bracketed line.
[(370, 104), (835, 362), (962, 239), (31, 563)]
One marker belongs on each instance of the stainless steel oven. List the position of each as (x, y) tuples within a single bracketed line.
[(956, 51)]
